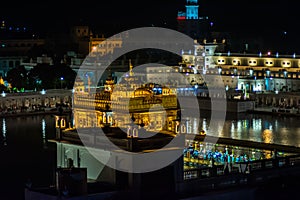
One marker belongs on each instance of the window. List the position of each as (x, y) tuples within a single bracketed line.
[(286, 63), (11, 64), (17, 63), (268, 62)]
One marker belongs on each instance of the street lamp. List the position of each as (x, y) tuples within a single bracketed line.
[(267, 78), (255, 88), (180, 127), (61, 80), (285, 77), (132, 135), (107, 121), (251, 72), (220, 70)]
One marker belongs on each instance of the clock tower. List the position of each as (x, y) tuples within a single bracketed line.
[(192, 9), (190, 23)]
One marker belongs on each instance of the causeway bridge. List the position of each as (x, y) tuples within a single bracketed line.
[(17, 102)]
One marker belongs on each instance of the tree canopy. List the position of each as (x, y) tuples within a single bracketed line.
[(42, 76)]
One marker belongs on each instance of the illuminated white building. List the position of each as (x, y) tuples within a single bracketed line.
[(251, 72)]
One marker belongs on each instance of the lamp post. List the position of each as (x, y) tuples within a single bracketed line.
[(61, 80), (107, 109), (267, 84), (134, 179), (285, 77), (180, 126), (251, 72), (220, 70), (132, 130), (132, 134), (106, 119), (255, 88)]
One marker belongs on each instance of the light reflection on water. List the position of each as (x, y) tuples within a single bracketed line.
[(44, 128), (26, 136), (260, 128), (25, 153), (4, 131), (26, 129)]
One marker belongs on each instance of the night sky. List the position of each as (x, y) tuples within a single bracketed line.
[(127, 13), (265, 16)]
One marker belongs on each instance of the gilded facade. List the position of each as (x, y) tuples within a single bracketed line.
[(151, 106)]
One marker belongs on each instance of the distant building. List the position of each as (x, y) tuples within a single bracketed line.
[(190, 23), (15, 44), (18, 47), (9, 62), (87, 42), (261, 72), (80, 36)]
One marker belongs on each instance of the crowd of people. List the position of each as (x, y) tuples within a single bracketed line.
[(199, 155)]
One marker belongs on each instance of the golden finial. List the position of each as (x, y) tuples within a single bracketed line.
[(130, 68)]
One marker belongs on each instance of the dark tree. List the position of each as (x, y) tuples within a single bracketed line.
[(44, 76), (17, 77), (64, 71)]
